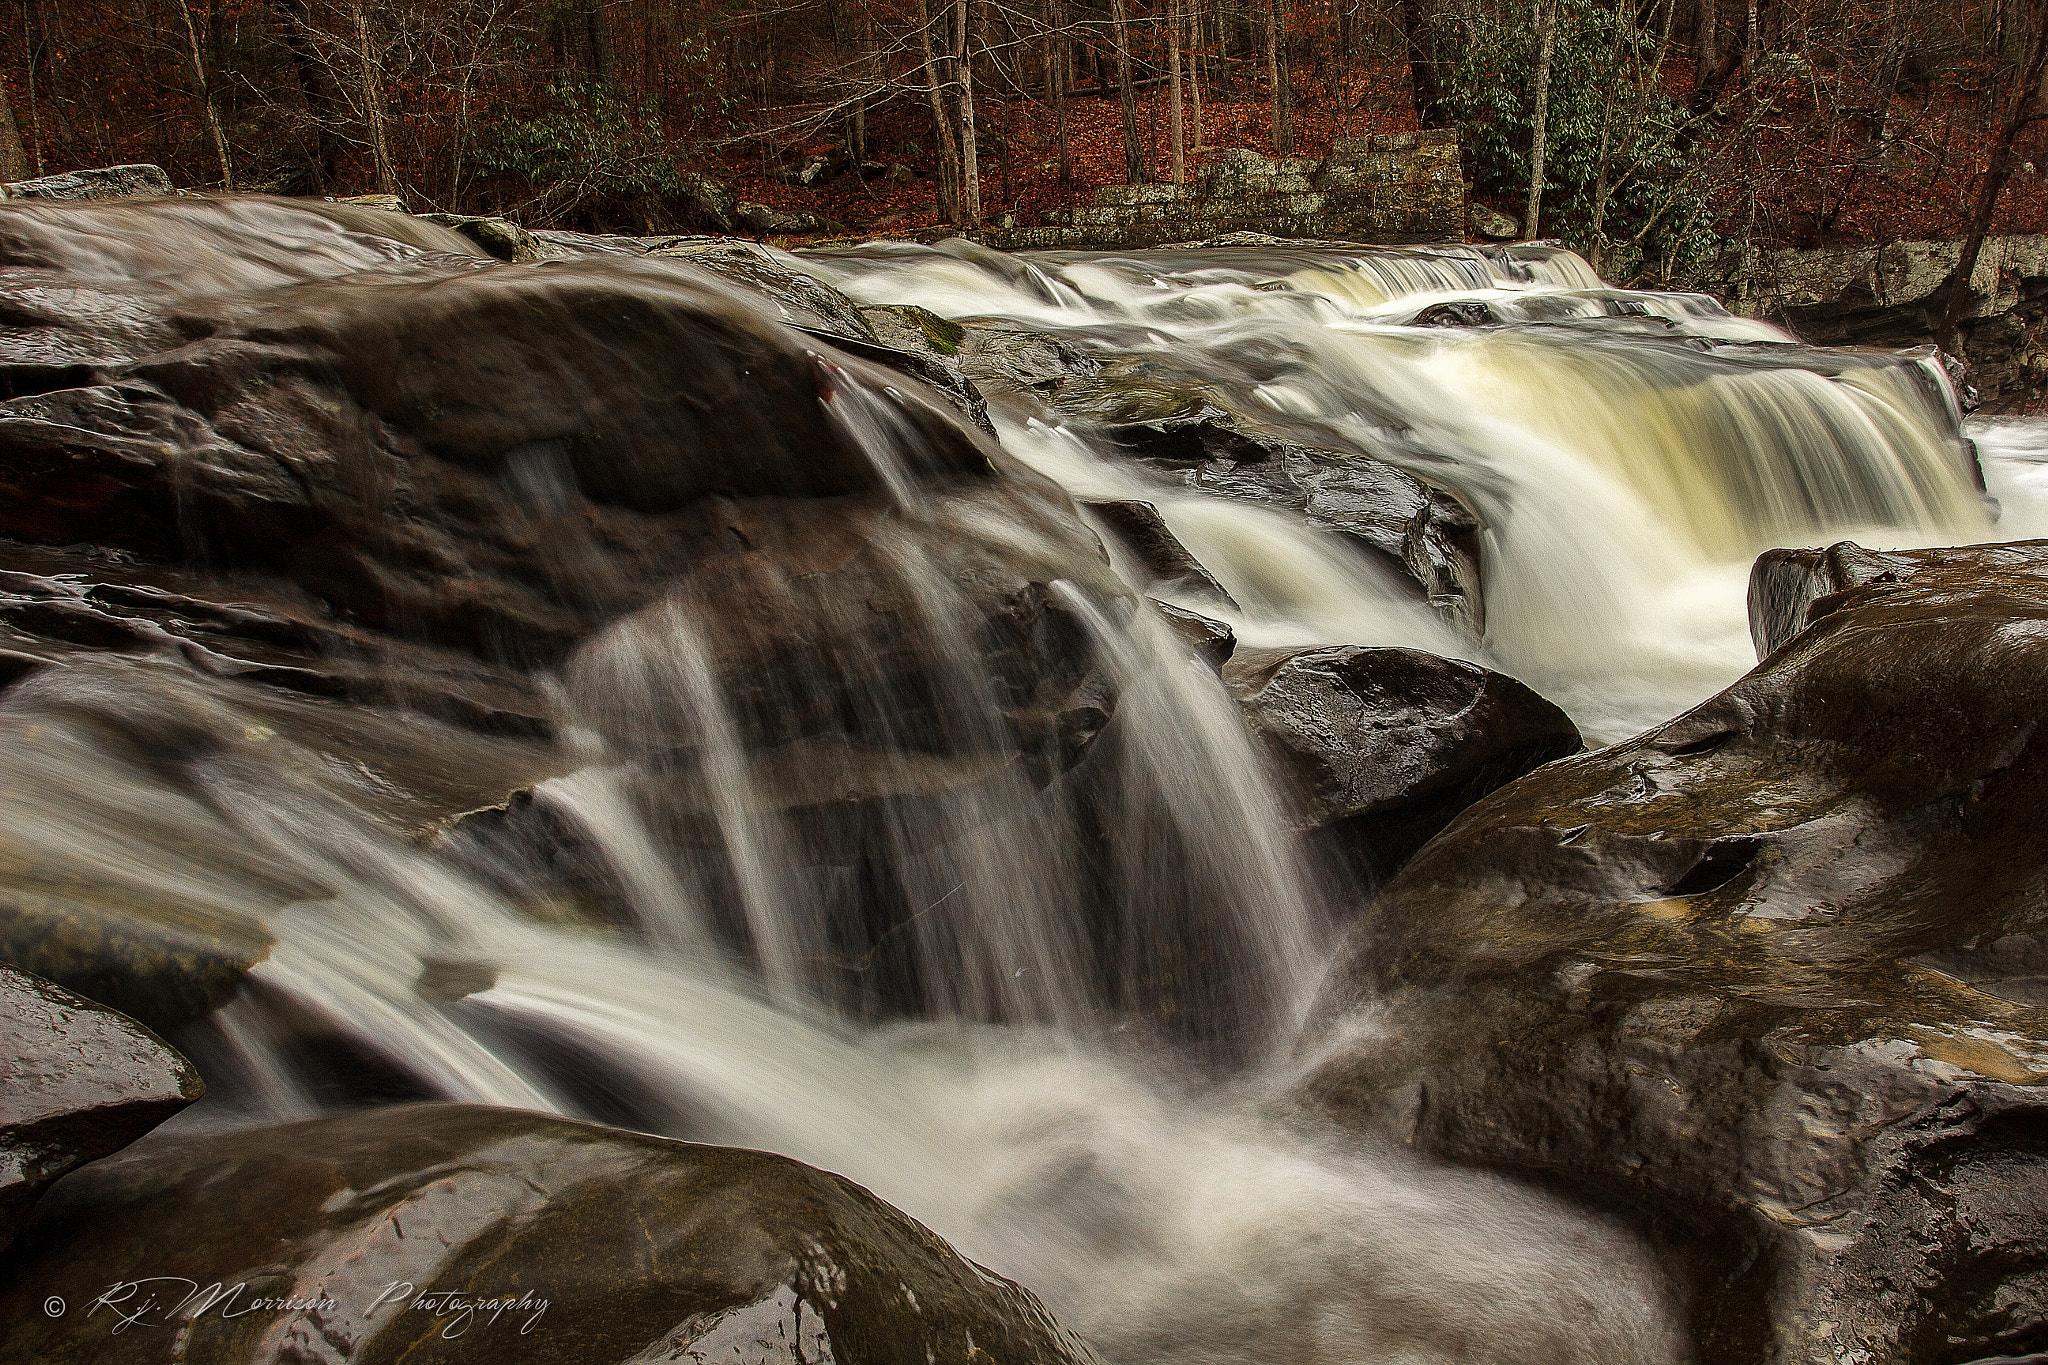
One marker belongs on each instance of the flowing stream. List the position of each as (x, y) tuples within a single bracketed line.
[(1627, 455)]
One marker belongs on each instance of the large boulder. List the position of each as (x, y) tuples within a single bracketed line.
[(447, 1233), (549, 437), (1386, 745), (1758, 981), (82, 1081), (398, 479), (101, 182)]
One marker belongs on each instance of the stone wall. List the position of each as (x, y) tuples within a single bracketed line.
[(1886, 296), (1395, 187)]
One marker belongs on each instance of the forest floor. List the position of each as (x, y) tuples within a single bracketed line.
[(1793, 179)]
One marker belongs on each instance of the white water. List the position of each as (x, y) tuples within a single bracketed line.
[(1168, 1209), (1629, 460)]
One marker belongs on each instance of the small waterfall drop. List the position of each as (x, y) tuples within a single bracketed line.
[(1628, 453)]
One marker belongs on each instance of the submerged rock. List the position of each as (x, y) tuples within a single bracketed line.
[(81, 1081), (1743, 980), (1388, 745), (449, 1233)]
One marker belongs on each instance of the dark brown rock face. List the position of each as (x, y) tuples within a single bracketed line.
[(347, 482), (1387, 745), (1759, 980), (80, 1081), (361, 1238)]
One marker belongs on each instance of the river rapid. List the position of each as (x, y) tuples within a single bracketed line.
[(1627, 456)]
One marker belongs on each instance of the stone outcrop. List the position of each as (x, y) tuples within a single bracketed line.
[(1888, 296), (368, 1234), (1761, 982), (1392, 188), (103, 182), (81, 1081), (1386, 746)]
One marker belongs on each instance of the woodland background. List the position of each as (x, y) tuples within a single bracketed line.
[(1664, 130)]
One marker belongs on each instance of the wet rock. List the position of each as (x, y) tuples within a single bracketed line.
[(1458, 313), (500, 238), (1388, 745), (387, 203), (1164, 561), (1184, 427), (182, 677), (445, 471), (638, 1246), (1213, 641), (82, 1081), (1791, 589), (910, 328), (1010, 358), (1704, 979), (105, 182), (804, 298), (542, 463)]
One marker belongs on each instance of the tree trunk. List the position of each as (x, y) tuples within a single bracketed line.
[(1546, 43), (1273, 74), (369, 70), (13, 156), (2027, 109), (41, 45), (1195, 132), (1424, 87), (970, 162), (942, 125), (1706, 52), (1057, 53), (324, 102), (1176, 127), (207, 102), (597, 32), (1134, 156)]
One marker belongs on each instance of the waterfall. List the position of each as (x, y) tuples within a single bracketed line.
[(1628, 453), (901, 836)]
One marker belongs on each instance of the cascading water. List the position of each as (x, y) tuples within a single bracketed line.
[(1005, 921), (1629, 454)]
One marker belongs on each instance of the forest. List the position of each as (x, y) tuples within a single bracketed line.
[(1649, 134)]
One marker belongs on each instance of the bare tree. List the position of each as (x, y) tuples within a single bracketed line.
[(209, 99), (2027, 104), (13, 156), (1134, 157), (963, 91), (1546, 44), (1177, 130)]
